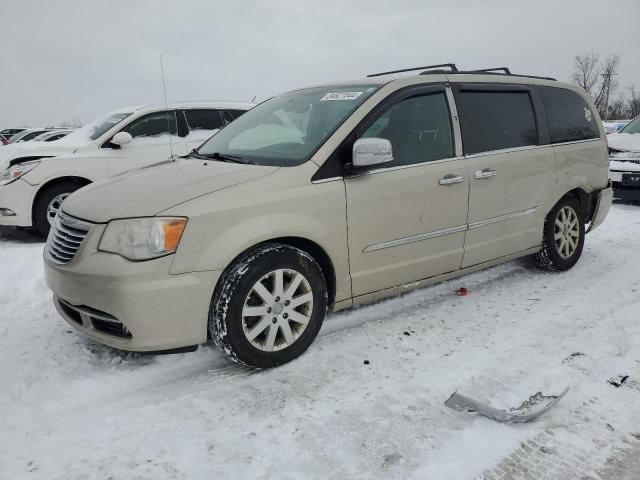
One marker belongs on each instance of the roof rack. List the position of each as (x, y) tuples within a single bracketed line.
[(453, 69), (504, 70)]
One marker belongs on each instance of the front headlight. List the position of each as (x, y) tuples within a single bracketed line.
[(14, 172), (143, 238)]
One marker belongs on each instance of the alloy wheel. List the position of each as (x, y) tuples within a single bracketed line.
[(277, 310), (567, 231), (54, 206)]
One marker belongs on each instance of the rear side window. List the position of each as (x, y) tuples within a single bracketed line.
[(570, 118), (496, 120), (152, 125), (203, 119)]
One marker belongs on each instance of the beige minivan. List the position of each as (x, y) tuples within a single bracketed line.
[(326, 197)]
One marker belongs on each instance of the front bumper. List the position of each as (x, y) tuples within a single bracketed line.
[(15, 203), (156, 310)]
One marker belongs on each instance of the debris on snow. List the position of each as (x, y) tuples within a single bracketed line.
[(530, 409), (618, 381), (462, 292)]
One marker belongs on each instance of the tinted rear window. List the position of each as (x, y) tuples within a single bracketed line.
[(496, 120), (203, 119), (570, 118)]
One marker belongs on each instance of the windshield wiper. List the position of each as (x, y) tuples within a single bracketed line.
[(223, 157), (195, 154)]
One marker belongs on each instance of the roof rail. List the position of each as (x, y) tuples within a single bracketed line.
[(452, 68), (505, 70)]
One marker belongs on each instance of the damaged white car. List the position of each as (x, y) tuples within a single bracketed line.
[(624, 161), (36, 177)]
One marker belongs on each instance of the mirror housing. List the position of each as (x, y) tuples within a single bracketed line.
[(371, 151), (121, 138)]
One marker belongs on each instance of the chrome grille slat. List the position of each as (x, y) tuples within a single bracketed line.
[(72, 233), (65, 239)]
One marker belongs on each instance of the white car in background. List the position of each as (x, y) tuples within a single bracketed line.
[(52, 136), (27, 135), (624, 161), (36, 177), (614, 126)]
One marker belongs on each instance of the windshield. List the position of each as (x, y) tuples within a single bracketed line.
[(632, 127), (287, 130)]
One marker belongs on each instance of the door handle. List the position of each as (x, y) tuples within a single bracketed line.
[(451, 179), (486, 173)]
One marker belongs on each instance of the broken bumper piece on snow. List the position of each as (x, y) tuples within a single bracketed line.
[(530, 409)]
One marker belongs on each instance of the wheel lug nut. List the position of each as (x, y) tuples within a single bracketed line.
[(274, 320), (287, 302), (285, 315), (268, 309), (277, 299)]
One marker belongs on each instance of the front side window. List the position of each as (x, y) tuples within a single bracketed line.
[(570, 118), (286, 130), (153, 125), (419, 129), (495, 120), (101, 126), (205, 119), (632, 127)]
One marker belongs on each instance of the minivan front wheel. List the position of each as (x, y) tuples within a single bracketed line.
[(269, 306), (563, 239)]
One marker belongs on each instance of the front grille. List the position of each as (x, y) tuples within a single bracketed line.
[(66, 236)]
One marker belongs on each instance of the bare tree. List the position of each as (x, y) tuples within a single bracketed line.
[(586, 71), (633, 103), (618, 108), (597, 77), (608, 84)]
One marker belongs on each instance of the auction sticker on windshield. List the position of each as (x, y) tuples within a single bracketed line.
[(341, 96)]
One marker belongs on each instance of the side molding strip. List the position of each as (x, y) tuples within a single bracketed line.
[(414, 238), (501, 218), (446, 231)]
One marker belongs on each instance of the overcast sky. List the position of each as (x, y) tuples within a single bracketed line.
[(83, 58)]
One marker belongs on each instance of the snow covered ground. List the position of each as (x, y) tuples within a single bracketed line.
[(72, 409)]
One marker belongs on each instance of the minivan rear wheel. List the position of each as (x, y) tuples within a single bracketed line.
[(563, 240), (268, 306)]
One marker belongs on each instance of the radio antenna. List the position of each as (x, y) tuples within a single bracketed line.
[(166, 107)]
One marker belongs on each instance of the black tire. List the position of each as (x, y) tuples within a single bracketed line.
[(225, 315), (550, 257), (41, 225)]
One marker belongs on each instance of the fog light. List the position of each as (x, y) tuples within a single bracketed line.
[(7, 212)]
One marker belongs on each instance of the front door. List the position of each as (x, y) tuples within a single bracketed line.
[(510, 175), (407, 218), (155, 137)]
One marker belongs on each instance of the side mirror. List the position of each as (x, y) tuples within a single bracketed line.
[(371, 151), (121, 138)]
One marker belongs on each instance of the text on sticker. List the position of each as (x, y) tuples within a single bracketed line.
[(340, 96)]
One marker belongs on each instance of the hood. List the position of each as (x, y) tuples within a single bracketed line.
[(629, 142), (32, 149), (150, 191)]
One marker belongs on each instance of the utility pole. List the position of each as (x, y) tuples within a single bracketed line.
[(607, 81)]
